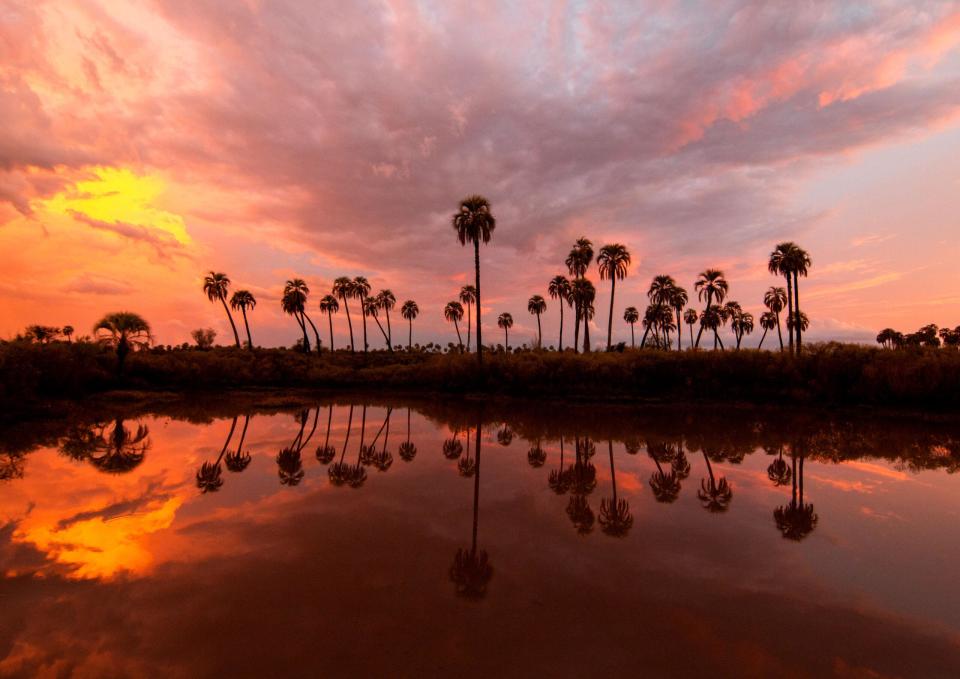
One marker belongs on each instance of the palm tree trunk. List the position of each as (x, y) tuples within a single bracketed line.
[(691, 334), (796, 309), (410, 336), (586, 333), (779, 334), (459, 339), (243, 310), (613, 473), (330, 319), (326, 439), (233, 426), (389, 330), (346, 308), (700, 332), (476, 491), (560, 343), (476, 263), (382, 331), (506, 338), (716, 337), (303, 329), (468, 326), (576, 327), (539, 333), (613, 290), (789, 310), (679, 331), (763, 337), (236, 335), (315, 333), (363, 312), (643, 340), (632, 338), (346, 438)]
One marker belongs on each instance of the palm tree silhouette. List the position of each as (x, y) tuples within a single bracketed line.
[(505, 435), (292, 303), (216, 286), (742, 324), (790, 261), (559, 289), (408, 451), (297, 288), (343, 288), (474, 222), (209, 477), (67, 331), (660, 293), (796, 327), (505, 321), (125, 331), (371, 308), (582, 480), (779, 265), (690, 317), (799, 261), (775, 299), (468, 296), (615, 516), (243, 300), (711, 318), (583, 294), (678, 300), (768, 321), (386, 301), (796, 520), (537, 305), (329, 306), (410, 311), (384, 459), (631, 316), (613, 261), (471, 570), (454, 312), (289, 462), (578, 261), (712, 287), (652, 317), (239, 459), (361, 288), (715, 494), (326, 452)]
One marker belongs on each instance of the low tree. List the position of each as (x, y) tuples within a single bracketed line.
[(124, 331), (204, 337), (536, 305), (631, 316), (453, 312)]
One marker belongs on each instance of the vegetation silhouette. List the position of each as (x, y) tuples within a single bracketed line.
[(536, 305), (664, 484), (361, 288), (326, 452), (344, 289), (505, 321), (117, 451), (613, 261), (559, 289), (797, 519), (208, 476), (578, 261), (715, 494), (631, 316), (125, 332), (410, 311)]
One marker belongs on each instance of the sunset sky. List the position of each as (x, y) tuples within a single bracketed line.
[(144, 143)]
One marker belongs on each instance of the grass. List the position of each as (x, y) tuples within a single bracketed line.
[(827, 374)]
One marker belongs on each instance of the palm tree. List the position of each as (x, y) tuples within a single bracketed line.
[(799, 262), (537, 305), (292, 303), (775, 299), (613, 261), (615, 516), (631, 316), (768, 321), (660, 293), (339, 472), (468, 296), (343, 288), (329, 306), (778, 471), (473, 223), (243, 300), (712, 286), (505, 321), (559, 288), (216, 286), (117, 452), (790, 261), (742, 325), (361, 288), (409, 311), (578, 261), (387, 301), (583, 294), (68, 333), (678, 300), (453, 312), (711, 319), (371, 308), (690, 317), (124, 331), (654, 317), (802, 325), (299, 288)]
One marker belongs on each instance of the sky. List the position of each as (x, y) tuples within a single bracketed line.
[(145, 143)]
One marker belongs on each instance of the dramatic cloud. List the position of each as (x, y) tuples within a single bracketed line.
[(336, 138)]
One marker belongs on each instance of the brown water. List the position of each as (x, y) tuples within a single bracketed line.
[(466, 539)]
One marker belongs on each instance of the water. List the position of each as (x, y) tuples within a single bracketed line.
[(549, 540)]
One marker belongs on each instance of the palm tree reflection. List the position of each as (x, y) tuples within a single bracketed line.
[(326, 452), (115, 452), (452, 448), (559, 479), (778, 471), (466, 465), (289, 460), (239, 459), (208, 476), (536, 456), (384, 459), (664, 484), (582, 481), (471, 569), (715, 494), (615, 516), (797, 519), (408, 450)]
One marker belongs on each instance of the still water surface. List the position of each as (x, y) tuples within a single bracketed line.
[(395, 538)]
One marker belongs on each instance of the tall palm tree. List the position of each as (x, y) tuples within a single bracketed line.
[(386, 301), (118, 452), (453, 312), (768, 321), (505, 321), (329, 306), (690, 317), (615, 516), (613, 261), (775, 299), (660, 294), (583, 294), (371, 308), (474, 222), (559, 288), (537, 305), (125, 331), (711, 285), (216, 285), (343, 288), (410, 311), (678, 300), (299, 287), (799, 262), (578, 261), (292, 303), (468, 296), (631, 316), (361, 288), (780, 263), (243, 300)]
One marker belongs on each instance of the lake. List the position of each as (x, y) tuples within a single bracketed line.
[(237, 536)]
